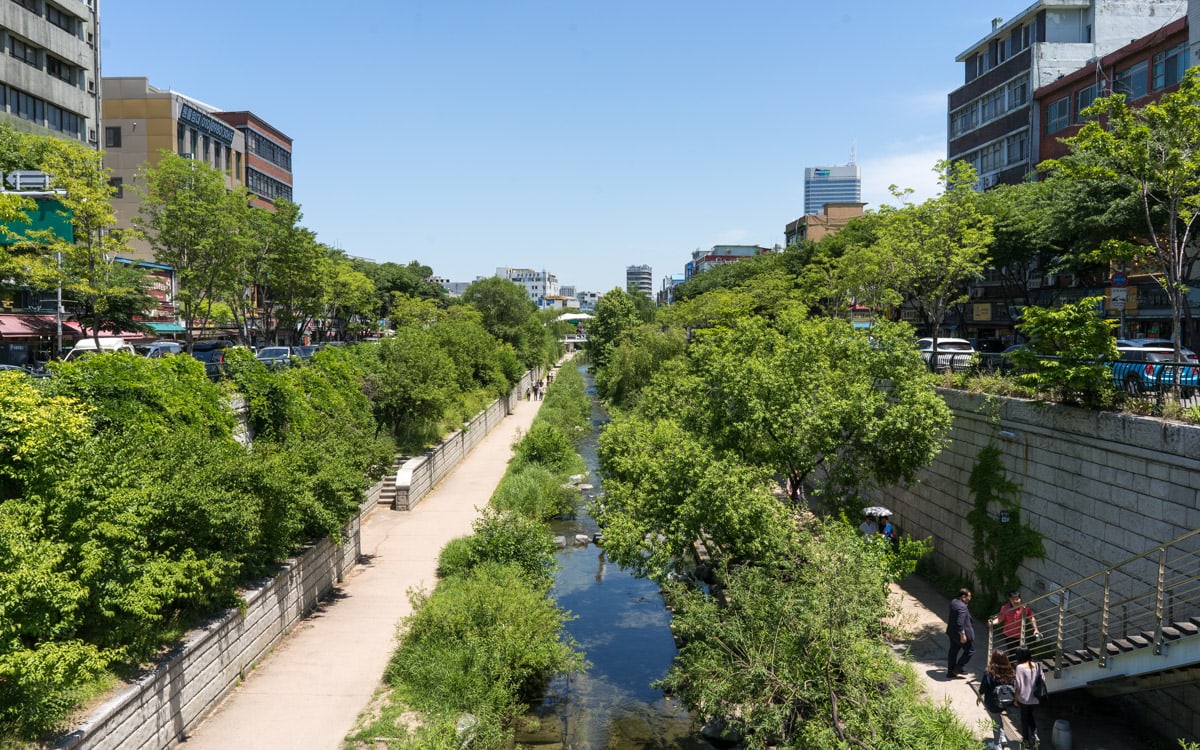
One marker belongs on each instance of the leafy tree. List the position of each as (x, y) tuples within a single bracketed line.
[(509, 315), (616, 315), (349, 298), (635, 360), (793, 655), (1156, 149), (727, 275), (411, 385), (194, 223), (941, 243), (412, 280), (1069, 348)]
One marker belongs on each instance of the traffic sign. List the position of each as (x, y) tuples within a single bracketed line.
[(28, 179), (1119, 279), (1117, 298)]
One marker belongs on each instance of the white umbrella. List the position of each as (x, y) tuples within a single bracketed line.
[(876, 511), (575, 316)]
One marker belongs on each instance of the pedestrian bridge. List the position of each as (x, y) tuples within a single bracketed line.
[(1130, 627)]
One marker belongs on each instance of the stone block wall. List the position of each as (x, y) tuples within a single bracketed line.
[(1099, 487), (158, 709)]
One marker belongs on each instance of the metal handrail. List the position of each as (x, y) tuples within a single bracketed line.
[(1122, 607)]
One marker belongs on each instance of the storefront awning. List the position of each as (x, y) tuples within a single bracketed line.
[(33, 326), (167, 328)]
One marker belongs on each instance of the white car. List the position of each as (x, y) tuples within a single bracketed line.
[(1187, 354), (952, 354)]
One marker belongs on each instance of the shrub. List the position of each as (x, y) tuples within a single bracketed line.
[(534, 492), (547, 446)]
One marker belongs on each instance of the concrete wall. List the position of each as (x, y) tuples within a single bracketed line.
[(157, 709), (1099, 488), (421, 474)]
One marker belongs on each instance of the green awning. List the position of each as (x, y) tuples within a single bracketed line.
[(167, 328)]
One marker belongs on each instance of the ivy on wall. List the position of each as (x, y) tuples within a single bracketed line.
[(1001, 541)]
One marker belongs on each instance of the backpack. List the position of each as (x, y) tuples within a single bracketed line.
[(1003, 696)]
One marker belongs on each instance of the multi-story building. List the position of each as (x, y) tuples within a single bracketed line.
[(538, 284), (815, 226), (666, 295), (640, 279), (49, 68), (268, 157), (823, 185), (992, 123), (702, 260)]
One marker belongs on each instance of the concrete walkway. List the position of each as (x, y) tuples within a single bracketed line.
[(923, 615), (310, 689)]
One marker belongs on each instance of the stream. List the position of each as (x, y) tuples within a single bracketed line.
[(623, 628)]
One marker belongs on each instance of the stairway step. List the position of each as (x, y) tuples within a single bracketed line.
[(1187, 627), (1171, 633), (1123, 644), (1140, 641), (1111, 649)]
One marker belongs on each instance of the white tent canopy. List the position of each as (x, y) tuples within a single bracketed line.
[(575, 316)]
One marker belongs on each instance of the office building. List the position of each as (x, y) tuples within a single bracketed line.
[(538, 284), (702, 260), (824, 185), (50, 67), (640, 279), (992, 123), (141, 121)]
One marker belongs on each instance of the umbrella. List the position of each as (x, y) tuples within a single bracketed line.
[(876, 511)]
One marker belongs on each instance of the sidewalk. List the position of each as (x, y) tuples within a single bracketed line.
[(309, 690), (923, 616)]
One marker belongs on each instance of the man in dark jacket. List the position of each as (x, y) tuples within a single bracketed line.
[(961, 630)]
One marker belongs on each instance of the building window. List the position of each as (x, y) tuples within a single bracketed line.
[(61, 70), (1169, 66), (1083, 100), (64, 21), (1058, 115), (1018, 93), (26, 53), (28, 4), (963, 120), (118, 186), (991, 105), (1018, 148), (112, 136), (1133, 82), (991, 157), (26, 107)]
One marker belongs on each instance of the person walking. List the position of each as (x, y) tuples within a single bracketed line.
[(1026, 675), (1016, 619), (961, 630), (999, 674)]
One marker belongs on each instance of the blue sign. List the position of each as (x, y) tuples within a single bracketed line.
[(1119, 279)]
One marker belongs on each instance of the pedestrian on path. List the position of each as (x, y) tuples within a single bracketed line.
[(1016, 620), (999, 674), (1027, 673), (961, 631)]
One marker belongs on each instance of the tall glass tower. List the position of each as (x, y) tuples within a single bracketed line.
[(831, 185)]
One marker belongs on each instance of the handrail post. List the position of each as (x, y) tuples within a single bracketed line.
[(1159, 597), (1058, 638), (1104, 619)]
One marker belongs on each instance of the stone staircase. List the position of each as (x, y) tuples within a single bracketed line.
[(387, 485)]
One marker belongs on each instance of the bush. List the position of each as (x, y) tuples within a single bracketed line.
[(1069, 347), (546, 446), (534, 492)]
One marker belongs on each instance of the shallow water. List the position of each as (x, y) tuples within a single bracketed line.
[(623, 628)]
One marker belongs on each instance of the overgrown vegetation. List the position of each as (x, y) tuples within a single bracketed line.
[(482, 644)]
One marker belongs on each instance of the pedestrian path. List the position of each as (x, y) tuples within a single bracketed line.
[(923, 613), (307, 693)]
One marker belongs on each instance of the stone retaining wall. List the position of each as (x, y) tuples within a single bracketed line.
[(1099, 487), (157, 710)]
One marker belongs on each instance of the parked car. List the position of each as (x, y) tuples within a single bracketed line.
[(304, 352), (953, 354), (212, 354), (23, 370), (275, 357), (86, 346), (1187, 353), (158, 349), (1141, 369)]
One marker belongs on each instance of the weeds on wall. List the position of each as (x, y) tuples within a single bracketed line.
[(1001, 541)]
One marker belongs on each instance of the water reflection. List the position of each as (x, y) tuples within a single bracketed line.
[(623, 627)]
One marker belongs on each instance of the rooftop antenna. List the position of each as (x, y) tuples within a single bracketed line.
[(853, 148)]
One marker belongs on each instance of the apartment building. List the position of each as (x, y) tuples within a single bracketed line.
[(992, 121), (538, 284), (815, 226), (49, 68)]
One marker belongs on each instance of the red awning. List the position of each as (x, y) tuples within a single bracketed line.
[(33, 326)]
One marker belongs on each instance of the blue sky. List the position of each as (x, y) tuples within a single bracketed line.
[(576, 137)]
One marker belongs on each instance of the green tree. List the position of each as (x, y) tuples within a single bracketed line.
[(1155, 149), (349, 299), (509, 315), (941, 244), (616, 315), (1069, 348), (194, 223)]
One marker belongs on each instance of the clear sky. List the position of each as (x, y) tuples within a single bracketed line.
[(575, 136)]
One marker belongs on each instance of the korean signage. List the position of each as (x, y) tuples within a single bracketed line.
[(206, 124), (1122, 299), (981, 311)]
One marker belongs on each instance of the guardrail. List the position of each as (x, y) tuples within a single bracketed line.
[(1156, 381), (1142, 603)]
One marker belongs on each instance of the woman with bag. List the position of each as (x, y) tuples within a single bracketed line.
[(1028, 674), (997, 691)]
